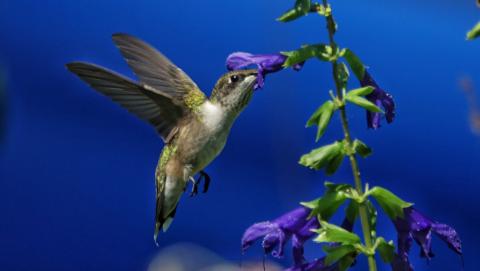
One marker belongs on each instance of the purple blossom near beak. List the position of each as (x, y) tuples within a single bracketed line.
[(416, 226), (381, 99), (277, 232), (267, 63)]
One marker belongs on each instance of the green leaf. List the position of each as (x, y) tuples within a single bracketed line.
[(321, 51), (474, 32), (322, 117), (362, 102), (390, 203), (386, 250), (363, 91), (354, 62), (346, 262), (334, 196), (334, 234), (324, 156), (334, 164), (335, 253), (301, 8), (361, 148), (351, 212)]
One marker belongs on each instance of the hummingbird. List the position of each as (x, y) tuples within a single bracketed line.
[(194, 127)]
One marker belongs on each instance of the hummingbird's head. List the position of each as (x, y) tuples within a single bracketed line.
[(234, 90)]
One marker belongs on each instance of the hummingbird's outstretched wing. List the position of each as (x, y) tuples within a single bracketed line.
[(157, 71), (158, 108)]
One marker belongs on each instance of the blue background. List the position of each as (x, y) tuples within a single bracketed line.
[(76, 170)]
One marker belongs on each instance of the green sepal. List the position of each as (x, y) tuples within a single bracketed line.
[(335, 253), (325, 206), (386, 250), (363, 91), (474, 32), (329, 156), (322, 117), (354, 62), (334, 234), (301, 8), (361, 148), (321, 51), (390, 203), (362, 102), (342, 74)]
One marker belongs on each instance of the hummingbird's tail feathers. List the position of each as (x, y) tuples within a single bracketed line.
[(154, 107), (156, 70)]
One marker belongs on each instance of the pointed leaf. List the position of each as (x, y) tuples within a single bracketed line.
[(328, 204), (334, 234), (302, 8), (322, 118), (386, 250), (390, 203), (363, 91), (322, 156), (474, 32), (355, 63), (334, 164), (361, 148), (335, 253), (362, 102)]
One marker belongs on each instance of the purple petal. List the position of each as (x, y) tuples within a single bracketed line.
[(381, 99), (448, 235), (255, 232), (295, 220)]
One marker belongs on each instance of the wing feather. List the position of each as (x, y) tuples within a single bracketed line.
[(157, 108), (156, 70)]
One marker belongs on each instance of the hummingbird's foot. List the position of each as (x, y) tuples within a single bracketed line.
[(206, 179), (194, 187)]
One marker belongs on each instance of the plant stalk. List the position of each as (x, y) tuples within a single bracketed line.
[(362, 209)]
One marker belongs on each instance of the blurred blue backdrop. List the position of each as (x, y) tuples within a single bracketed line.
[(77, 171)]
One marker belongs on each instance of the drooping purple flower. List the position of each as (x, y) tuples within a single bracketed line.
[(276, 233), (267, 63), (416, 226), (381, 99), (295, 225)]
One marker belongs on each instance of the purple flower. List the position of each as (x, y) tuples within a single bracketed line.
[(276, 233), (295, 225), (265, 64), (416, 226), (381, 99)]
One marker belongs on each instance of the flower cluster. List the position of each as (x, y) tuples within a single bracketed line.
[(297, 226)]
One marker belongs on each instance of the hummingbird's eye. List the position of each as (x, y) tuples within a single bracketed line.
[(234, 78)]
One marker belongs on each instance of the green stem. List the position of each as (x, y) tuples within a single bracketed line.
[(362, 210)]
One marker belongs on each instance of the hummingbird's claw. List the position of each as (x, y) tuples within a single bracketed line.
[(194, 187), (207, 179)]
